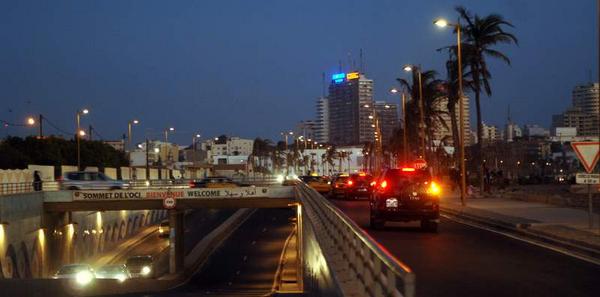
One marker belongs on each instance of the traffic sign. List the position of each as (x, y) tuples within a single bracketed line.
[(587, 153), (169, 202), (587, 179)]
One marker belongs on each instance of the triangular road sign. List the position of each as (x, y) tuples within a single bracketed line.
[(587, 152)]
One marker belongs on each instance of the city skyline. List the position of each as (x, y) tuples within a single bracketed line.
[(214, 77)]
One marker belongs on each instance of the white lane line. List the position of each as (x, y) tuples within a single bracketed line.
[(533, 242)]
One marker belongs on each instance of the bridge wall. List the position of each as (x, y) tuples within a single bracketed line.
[(34, 242)]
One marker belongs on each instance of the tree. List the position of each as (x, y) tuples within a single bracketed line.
[(480, 35)]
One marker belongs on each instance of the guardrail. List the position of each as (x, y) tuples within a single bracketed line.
[(360, 265)]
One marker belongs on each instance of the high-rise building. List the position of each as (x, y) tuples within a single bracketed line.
[(350, 105), (322, 121), (490, 133), (387, 113), (586, 123), (445, 131), (306, 129), (535, 130), (587, 97)]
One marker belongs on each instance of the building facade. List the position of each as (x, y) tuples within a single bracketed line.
[(574, 117), (307, 129), (350, 105), (322, 120), (387, 114), (587, 97), (444, 132)]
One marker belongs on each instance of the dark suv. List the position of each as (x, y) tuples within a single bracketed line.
[(403, 195)]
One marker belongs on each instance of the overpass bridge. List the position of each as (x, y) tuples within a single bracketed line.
[(334, 256)]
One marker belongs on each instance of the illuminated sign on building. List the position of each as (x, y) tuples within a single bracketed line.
[(338, 77), (352, 75)]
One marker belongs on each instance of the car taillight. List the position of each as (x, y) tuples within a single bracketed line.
[(373, 183), (350, 182), (192, 185), (383, 185), (434, 189)]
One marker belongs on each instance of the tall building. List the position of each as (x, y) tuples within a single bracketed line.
[(445, 131), (306, 129), (587, 97), (322, 121), (586, 123), (535, 130), (350, 105), (490, 134), (387, 113)]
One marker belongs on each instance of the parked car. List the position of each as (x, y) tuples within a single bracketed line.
[(164, 229), (86, 180), (403, 195), (141, 266), (320, 183), (214, 182), (118, 272), (83, 274)]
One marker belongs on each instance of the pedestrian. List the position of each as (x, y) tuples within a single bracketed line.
[(37, 181)]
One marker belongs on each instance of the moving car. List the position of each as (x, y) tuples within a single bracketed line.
[(405, 194), (141, 266), (339, 185), (359, 186), (118, 272), (320, 183), (83, 274), (214, 182), (164, 229), (86, 180)]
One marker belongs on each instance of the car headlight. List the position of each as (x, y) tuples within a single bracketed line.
[(280, 178), (160, 230), (146, 270), (83, 278), (121, 277)]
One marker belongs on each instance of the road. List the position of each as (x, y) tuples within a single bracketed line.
[(466, 261), (246, 263), (198, 223)]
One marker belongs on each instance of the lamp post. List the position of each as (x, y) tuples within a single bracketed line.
[(404, 135), (129, 137), (442, 23), (31, 121), (79, 134), (194, 141), (167, 130), (410, 68)]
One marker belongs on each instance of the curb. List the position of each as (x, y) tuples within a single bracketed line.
[(577, 247)]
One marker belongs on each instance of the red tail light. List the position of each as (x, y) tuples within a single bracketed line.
[(408, 169), (373, 183), (383, 185), (192, 185), (350, 182)]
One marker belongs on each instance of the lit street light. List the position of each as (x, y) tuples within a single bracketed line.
[(30, 121), (129, 134), (411, 68), (79, 133), (170, 129), (404, 132), (442, 23)]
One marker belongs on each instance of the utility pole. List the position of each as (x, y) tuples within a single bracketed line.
[(40, 123), (147, 162)]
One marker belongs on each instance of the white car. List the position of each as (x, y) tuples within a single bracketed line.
[(86, 180)]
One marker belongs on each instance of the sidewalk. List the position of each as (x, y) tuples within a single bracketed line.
[(567, 227)]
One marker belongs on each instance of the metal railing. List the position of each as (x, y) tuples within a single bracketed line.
[(362, 267)]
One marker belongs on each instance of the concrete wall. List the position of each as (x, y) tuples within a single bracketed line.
[(35, 243), (126, 173), (46, 172), (16, 176), (111, 172)]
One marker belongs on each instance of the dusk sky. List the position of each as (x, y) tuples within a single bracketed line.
[(253, 68)]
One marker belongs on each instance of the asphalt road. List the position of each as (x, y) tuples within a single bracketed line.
[(466, 261), (198, 223), (246, 263)]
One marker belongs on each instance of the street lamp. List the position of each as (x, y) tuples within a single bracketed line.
[(129, 134), (442, 23), (412, 68), (194, 140), (79, 133), (170, 129), (404, 132)]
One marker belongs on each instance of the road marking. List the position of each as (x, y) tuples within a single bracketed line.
[(264, 230), (253, 242), (533, 242), (245, 258), (237, 272)]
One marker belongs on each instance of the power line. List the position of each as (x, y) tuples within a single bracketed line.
[(7, 123), (56, 127)]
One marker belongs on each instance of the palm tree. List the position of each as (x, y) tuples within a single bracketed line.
[(480, 35), (433, 92), (330, 156)]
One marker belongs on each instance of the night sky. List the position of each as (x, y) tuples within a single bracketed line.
[(253, 68)]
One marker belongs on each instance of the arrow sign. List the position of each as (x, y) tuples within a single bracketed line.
[(587, 153)]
